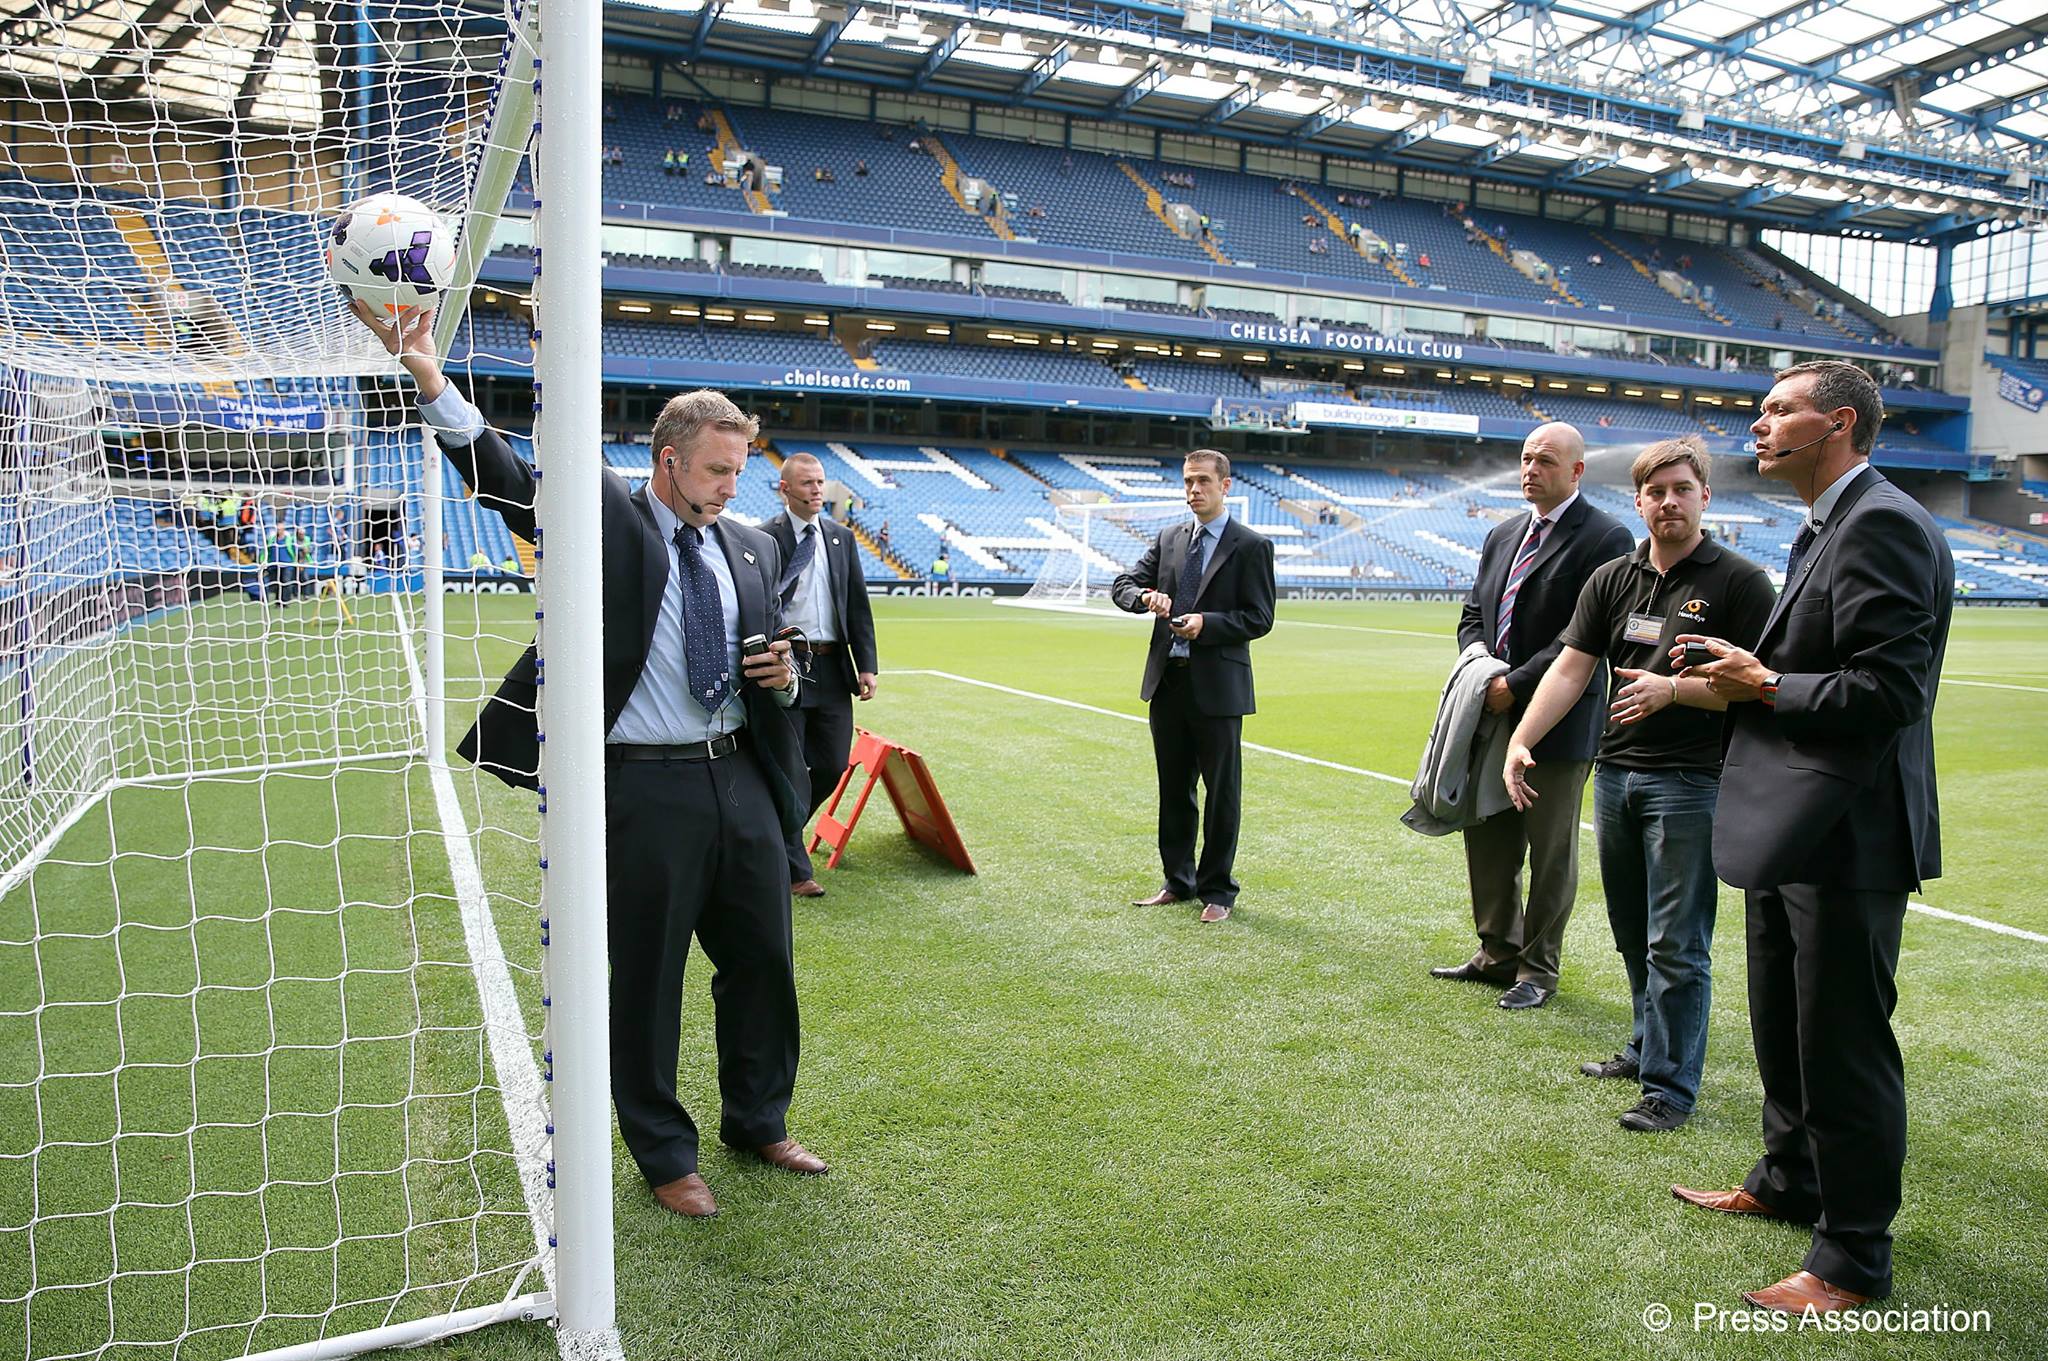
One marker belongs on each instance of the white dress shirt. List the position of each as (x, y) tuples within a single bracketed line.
[(661, 710), (1206, 538), (1824, 504), (810, 609)]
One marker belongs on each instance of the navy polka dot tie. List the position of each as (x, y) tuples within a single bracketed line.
[(704, 654)]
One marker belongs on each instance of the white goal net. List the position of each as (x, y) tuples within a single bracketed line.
[(1097, 540), (271, 1080)]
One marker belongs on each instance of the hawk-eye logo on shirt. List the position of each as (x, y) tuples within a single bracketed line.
[(1694, 610)]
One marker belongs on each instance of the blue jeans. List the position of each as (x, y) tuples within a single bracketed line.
[(1656, 835)]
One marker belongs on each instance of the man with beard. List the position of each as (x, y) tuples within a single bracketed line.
[(1659, 766)]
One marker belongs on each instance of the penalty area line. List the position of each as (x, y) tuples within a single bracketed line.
[(1943, 914)]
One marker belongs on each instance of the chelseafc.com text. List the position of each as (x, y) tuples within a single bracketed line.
[(860, 382)]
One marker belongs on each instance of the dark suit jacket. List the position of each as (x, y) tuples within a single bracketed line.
[(1584, 537), (1235, 602), (504, 740), (850, 608), (1835, 785)]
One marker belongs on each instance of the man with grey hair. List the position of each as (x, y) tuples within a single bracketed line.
[(703, 777), (1531, 571)]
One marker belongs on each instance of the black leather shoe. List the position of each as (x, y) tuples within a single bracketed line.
[(1619, 1066), (1468, 972), (1652, 1114), (1525, 996)]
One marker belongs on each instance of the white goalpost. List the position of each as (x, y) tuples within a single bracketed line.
[(281, 1073), (1093, 541)]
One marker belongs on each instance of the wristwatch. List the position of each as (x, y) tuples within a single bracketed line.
[(1769, 691)]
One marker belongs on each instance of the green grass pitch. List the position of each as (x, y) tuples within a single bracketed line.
[(1060, 1126)]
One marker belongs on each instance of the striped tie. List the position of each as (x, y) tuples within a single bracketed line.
[(1514, 587)]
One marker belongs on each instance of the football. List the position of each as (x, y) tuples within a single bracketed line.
[(391, 252)]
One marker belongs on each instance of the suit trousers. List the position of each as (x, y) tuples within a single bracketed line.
[(824, 719), (1822, 986), (1188, 744), (1526, 939), (695, 847)]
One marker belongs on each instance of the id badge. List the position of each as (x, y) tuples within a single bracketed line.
[(1643, 628)]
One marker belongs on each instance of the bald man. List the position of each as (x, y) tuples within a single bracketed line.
[(825, 595), (1530, 574)]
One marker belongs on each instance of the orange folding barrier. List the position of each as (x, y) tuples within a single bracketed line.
[(911, 788)]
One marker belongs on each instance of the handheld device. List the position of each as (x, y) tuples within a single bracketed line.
[(1698, 654), (753, 645)]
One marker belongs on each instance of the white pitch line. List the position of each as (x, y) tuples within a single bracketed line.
[(1943, 913), (1994, 685), (1093, 612), (1140, 718)]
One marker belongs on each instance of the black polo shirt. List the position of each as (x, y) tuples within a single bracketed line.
[(1715, 591)]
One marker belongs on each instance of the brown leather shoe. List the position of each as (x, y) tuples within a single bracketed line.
[(1163, 898), (791, 1156), (687, 1196), (1803, 1290), (1215, 912), (1736, 1202), (809, 888)]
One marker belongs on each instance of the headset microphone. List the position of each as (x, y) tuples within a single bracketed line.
[(1787, 453), (695, 509)]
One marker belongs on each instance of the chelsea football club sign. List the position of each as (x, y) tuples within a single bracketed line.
[(2020, 391)]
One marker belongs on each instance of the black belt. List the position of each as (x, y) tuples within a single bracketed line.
[(815, 649), (685, 751)]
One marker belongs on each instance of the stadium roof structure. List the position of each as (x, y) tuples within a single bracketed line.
[(1905, 119)]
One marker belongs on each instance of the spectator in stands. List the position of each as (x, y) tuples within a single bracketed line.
[(882, 536), (1597, 260), (1422, 260), (822, 175), (1067, 163), (510, 566), (713, 177), (1530, 573), (1318, 246), (705, 123), (942, 566), (668, 161), (702, 776), (1656, 256), (277, 566), (824, 594), (1684, 263), (1210, 588), (860, 169), (611, 111), (682, 161), (1205, 226), (1659, 766), (479, 561), (1036, 210), (673, 112)]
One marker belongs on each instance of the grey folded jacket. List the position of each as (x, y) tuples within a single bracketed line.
[(1459, 784)]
